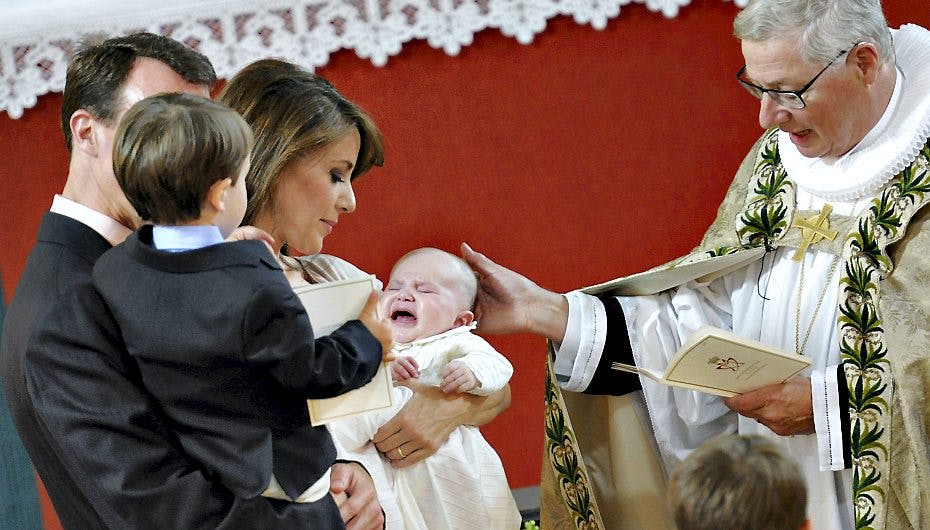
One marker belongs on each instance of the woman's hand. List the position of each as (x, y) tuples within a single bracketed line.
[(378, 325), (429, 417), (509, 302)]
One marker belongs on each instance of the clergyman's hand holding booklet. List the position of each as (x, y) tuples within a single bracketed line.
[(719, 362), (330, 305)]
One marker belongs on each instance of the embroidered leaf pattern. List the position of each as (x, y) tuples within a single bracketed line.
[(869, 398), (863, 356), (914, 182), (723, 251), (564, 458), (885, 214), (764, 218), (865, 245), (769, 189), (857, 283), (862, 346), (863, 486), (861, 319), (867, 447), (764, 225), (769, 159)]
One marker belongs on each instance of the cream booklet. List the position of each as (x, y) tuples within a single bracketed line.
[(718, 362), (330, 305)]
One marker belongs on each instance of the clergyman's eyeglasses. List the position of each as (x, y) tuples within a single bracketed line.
[(786, 98)]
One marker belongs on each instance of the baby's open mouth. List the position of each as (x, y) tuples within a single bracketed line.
[(403, 316)]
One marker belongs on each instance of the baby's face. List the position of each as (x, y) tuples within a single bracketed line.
[(424, 297)]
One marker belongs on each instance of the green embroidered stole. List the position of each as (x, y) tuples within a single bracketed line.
[(862, 338), (566, 463)]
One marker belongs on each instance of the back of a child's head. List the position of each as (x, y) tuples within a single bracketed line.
[(738, 483), (171, 148)]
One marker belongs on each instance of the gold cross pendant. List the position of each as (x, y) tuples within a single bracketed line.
[(813, 229)]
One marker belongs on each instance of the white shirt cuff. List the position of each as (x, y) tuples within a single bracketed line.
[(577, 357), (827, 418)]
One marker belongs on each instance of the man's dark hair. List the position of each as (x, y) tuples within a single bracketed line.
[(99, 68)]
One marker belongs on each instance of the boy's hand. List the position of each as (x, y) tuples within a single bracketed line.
[(456, 377), (250, 232), (404, 368), (378, 325)]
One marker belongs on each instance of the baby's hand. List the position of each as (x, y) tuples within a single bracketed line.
[(378, 325), (456, 377), (404, 368)]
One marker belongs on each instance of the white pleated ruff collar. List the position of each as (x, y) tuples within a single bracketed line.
[(890, 146)]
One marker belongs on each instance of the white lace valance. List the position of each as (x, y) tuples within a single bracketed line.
[(37, 37)]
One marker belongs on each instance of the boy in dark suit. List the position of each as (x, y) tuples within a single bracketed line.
[(218, 336)]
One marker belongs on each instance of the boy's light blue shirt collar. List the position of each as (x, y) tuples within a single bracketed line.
[(181, 238)]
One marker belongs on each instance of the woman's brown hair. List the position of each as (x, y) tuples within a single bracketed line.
[(293, 113)]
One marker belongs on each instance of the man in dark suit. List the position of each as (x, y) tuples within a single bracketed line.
[(160, 486)]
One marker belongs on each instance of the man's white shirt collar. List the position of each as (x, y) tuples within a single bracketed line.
[(109, 228)]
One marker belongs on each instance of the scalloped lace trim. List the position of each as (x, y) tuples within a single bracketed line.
[(880, 156), (37, 38)]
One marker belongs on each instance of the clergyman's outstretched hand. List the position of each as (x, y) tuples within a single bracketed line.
[(509, 302)]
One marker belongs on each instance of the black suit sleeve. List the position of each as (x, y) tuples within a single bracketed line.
[(278, 334), (112, 437), (616, 349)]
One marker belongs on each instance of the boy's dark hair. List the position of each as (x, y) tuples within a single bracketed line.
[(99, 68), (169, 150)]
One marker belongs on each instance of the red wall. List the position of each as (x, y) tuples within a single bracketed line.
[(584, 156)]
